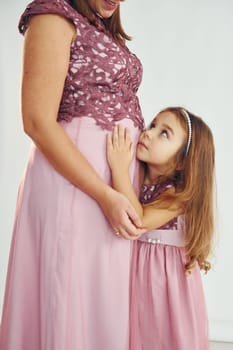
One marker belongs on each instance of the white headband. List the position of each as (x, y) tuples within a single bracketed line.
[(187, 117)]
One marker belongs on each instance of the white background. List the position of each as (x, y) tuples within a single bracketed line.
[(186, 48)]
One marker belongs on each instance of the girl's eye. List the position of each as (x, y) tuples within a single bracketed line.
[(164, 133), (152, 126)]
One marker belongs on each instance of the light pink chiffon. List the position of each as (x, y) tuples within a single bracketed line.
[(68, 277), (168, 309)]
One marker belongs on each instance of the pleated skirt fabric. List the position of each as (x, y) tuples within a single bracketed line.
[(68, 276), (168, 310)]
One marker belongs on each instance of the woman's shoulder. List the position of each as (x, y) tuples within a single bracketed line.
[(59, 7)]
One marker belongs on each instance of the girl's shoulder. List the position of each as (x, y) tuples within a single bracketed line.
[(149, 192), (59, 7)]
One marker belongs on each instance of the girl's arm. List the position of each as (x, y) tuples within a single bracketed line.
[(45, 65), (119, 153)]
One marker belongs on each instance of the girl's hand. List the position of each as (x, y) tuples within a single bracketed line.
[(120, 212), (121, 215), (119, 149)]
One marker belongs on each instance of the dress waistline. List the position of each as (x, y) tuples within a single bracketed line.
[(165, 237)]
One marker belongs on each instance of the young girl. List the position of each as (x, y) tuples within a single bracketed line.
[(168, 309)]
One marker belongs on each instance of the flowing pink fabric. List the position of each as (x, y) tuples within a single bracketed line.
[(68, 276), (168, 309)]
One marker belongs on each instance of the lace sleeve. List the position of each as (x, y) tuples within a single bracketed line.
[(37, 7)]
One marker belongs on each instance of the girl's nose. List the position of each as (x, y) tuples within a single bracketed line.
[(147, 133)]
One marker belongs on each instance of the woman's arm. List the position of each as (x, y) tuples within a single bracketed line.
[(119, 154), (45, 66)]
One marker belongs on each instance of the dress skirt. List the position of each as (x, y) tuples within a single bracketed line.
[(168, 310), (68, 274)]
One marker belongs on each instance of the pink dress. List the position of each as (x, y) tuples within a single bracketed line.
[(168, 310), (68, 275)]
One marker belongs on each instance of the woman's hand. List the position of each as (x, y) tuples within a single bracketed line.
[(121, 215), (119, 149)]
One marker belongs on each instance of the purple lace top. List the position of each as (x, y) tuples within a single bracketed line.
[(149, 193), (103, 77)]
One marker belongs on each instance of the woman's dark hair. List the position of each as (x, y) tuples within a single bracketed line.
[(112, 24)]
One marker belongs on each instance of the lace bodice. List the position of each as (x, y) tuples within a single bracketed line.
[(103, 77), (149, 193)]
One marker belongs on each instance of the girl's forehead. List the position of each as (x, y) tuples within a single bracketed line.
[(166, 115), (170, 119)]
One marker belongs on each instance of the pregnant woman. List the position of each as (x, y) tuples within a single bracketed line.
[(68, 276)]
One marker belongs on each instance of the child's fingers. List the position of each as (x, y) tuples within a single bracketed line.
[(124, 137), (131, 149), (121, 134), (109, 142), (115, 137), (127, 135)]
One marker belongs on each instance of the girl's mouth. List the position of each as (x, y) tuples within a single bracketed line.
[(142, 145)]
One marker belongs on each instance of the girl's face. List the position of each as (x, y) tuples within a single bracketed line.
[(105, 8), (160, 142)]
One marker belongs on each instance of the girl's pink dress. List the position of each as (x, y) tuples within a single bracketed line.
[(68, 276), (168, 310)]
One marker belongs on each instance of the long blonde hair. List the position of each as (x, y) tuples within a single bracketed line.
[(194, 184), (112, 24)]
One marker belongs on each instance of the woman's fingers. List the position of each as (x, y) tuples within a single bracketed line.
[(121, 215), (133, 217), (130, 232), (129, 224)]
